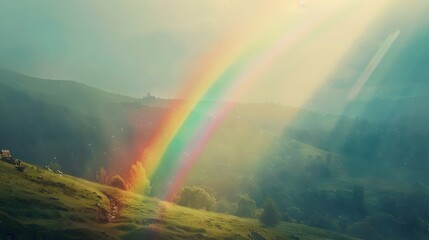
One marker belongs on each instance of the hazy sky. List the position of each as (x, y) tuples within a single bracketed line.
[(134, 47)]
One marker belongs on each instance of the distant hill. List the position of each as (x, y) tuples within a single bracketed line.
[(64, 122), (75, 96), (82, 128)]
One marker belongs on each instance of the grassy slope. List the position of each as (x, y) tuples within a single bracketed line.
[(38, 204)]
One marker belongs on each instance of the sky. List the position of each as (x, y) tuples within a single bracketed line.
[(134, 47)]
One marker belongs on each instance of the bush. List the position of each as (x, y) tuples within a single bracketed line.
[(118, 182), (245, 207), (139, 182), (358, 200), (196, 197), (101, 176), (270, 215)]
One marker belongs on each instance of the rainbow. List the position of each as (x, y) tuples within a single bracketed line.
[(226, 72)]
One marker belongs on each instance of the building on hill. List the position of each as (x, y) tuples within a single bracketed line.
[(149, 97), (5, 153)]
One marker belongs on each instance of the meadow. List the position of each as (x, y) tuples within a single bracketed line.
[(39, 204)]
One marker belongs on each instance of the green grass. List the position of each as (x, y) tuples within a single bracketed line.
[(38, 204)]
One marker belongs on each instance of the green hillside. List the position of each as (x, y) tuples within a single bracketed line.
[(75, 96), (73, 125), (66, 123), (38, 204), (321, 170)]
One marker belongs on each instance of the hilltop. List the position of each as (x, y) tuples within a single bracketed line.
[(39, 204)]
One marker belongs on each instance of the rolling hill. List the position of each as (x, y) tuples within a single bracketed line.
[(316, 167), (81, 128), (39, 204), (65, 123)]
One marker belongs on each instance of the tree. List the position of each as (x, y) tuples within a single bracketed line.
[(138, 179), (358, 200), (196, 197), (118, 182), (101, 175), (270, 215), (245, 207)]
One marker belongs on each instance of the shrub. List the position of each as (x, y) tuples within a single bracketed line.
[(196, 197), (245, 207), (101, 176), (270, 215), (358, 200), (118, 182), (139, 181)]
